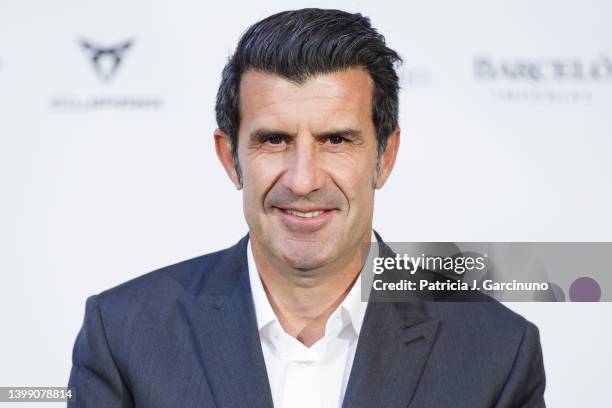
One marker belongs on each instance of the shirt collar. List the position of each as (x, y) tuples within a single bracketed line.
[(352, 308)]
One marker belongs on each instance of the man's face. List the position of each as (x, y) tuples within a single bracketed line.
[(308, 157)]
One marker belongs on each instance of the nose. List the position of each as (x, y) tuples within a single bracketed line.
[(303, 175)]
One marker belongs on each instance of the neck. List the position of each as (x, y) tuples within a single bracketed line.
[(304, 301)]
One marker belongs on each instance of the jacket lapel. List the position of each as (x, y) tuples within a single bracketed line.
[(394, 345), (224, 333), (391, 354)]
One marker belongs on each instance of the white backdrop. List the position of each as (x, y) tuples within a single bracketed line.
[(506, 112)]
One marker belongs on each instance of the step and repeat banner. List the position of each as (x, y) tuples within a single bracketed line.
[(108, 169)]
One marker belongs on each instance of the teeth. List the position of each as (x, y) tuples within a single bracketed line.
[(309, 214)]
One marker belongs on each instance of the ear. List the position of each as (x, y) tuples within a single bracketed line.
[(223, 146), (387, 159)]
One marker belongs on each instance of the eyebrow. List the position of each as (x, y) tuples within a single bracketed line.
[(261, 135), (348, 133)]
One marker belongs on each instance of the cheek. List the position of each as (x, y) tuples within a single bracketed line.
[(353, 176), (360, 198), (259, 175)]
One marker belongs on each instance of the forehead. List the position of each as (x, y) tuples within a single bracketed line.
[(270, 100)]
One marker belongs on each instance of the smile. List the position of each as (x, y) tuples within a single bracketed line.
[(305, 221), (309, 214)]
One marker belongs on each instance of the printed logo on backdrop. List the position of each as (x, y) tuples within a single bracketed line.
[(106, 63), (544, 80), (106, 60)]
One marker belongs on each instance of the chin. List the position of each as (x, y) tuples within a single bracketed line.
[(304, 255)]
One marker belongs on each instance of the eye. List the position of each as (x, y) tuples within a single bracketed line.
[(336, 139), (275, 139)]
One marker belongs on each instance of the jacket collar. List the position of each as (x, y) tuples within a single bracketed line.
[(224, 331), (392, 351), (393, 346)]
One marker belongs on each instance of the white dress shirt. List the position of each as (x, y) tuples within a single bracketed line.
[(315, 376)]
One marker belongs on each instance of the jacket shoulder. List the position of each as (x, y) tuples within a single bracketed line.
[(181, 274), (155, 289)]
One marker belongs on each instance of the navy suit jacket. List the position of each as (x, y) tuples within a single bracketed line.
[(186, 336)]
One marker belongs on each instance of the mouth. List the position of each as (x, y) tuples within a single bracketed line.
[(305, 214), (305, 220)]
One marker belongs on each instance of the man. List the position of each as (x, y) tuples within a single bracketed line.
[(307, 113)]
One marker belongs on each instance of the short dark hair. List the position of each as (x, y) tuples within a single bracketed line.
[(300, 44)]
